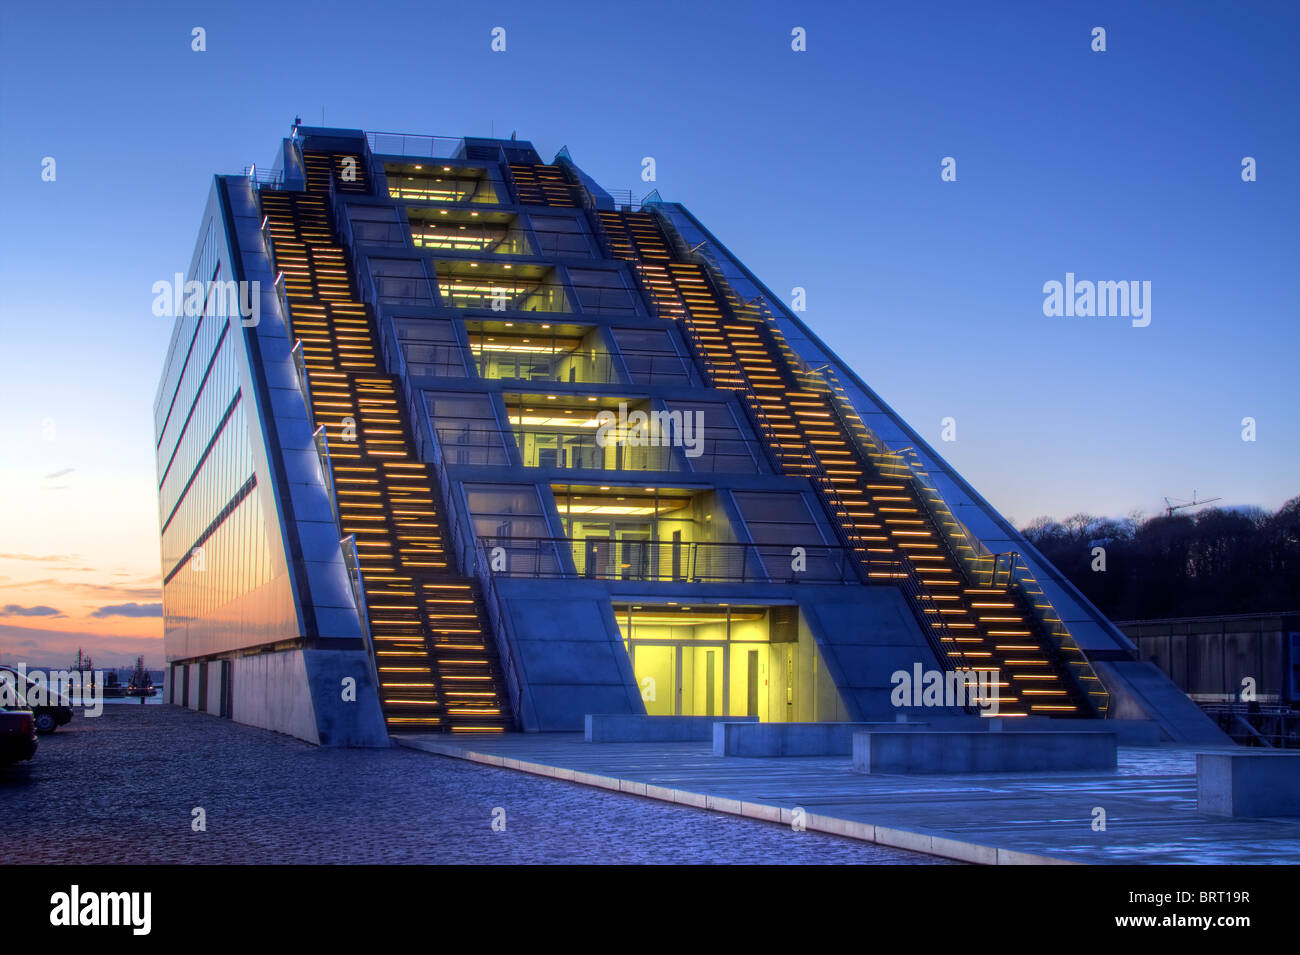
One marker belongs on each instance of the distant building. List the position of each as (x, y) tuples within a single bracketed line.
[(1242, 669), (490, 448)]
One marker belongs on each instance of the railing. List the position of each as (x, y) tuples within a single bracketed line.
[(582, 365), (681, 561), (348, 546), (585, 449), (1269, 727), (625, 199), (269, 179), (413, 144), (281, 293), (500, 621)]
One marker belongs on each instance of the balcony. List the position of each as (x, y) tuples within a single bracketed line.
[(528, 351), (436, 182), (461, 230), (500, 287), (584, 433)]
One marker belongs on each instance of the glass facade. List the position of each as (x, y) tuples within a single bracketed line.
[(224, 581), (693, 659)]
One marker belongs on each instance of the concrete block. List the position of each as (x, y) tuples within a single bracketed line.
[(1127, 732), (1251, 783), (622, 728), (917, 752), (754, 739)]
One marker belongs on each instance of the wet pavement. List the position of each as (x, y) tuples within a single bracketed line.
[(1142, 812), (124, 787)]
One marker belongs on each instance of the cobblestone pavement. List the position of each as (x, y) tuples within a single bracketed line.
[(122, 788)]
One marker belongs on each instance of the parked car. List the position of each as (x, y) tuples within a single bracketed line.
[(17, 729), (50, 716)]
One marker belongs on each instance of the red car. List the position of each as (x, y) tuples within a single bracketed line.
[(17, 729)]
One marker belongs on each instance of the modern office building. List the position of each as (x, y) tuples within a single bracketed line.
[(489, 448)]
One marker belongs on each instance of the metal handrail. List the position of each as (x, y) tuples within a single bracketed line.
[(352, 561), (409, 145), (455, 360), (269, 179), (694, 561)]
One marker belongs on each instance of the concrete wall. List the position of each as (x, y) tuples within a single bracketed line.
[(271, 692), (1248, 783), (654, 729), (569, 653), (788, 739), (300, 693), (923, 752), (865, 634), (1139, 691), (193, 681), (214, 687)]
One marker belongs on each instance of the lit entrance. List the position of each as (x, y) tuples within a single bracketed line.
[(714, 660)]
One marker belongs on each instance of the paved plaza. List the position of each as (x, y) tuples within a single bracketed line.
[(123, 788), (1149, 800)]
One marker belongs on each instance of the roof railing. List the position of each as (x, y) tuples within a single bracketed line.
[(413, 144)]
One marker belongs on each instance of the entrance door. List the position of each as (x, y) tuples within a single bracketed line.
[(704, 680), (656, 675), (681, 679)]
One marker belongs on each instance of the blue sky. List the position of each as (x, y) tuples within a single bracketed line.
[(818, 169)]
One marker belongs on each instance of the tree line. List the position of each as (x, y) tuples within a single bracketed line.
[(1214, 561)]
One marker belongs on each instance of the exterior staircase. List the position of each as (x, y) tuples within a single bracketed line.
[(434, 654)]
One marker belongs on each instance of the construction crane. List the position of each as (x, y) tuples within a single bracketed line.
[(1170, 507)]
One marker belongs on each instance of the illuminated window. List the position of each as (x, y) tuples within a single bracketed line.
[(648, 533), (531, 351), (568, 431), (498, 287), (491, 233), (435, 182)]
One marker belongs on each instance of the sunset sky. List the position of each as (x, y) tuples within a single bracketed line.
[(818, 169)]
